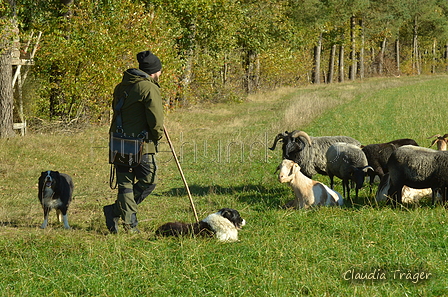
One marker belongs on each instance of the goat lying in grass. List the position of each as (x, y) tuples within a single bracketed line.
[(308, 192)]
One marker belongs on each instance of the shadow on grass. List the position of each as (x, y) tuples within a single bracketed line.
[(11, 224), (276, 197), (370, 202), (249, 194)]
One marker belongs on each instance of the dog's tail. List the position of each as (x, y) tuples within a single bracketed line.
[(59, 215)]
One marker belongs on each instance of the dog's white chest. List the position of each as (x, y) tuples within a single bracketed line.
[(48, 200)]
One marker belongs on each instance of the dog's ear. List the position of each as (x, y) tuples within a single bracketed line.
[(42, 175), (40, 182), (229, 214)]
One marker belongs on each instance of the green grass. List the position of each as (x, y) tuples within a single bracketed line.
[(224, 155)]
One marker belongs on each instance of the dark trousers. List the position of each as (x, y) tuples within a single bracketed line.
[(134, 185)]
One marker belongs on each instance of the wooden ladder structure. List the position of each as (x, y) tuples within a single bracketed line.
[(23, 59)]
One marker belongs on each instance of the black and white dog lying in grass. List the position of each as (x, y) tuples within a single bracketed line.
[(223, 224), (55, 192)]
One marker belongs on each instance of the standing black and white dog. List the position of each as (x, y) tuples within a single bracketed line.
[(55, 192), (223, 224)]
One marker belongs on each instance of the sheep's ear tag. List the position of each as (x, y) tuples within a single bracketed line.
[(295, 166)]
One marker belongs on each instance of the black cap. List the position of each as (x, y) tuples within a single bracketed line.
[(148, 62)]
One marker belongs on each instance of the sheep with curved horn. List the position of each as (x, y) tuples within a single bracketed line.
[(308, 151)]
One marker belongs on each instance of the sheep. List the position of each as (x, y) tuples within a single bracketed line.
[(441, 141), (419, 168), (308, 192), (377, 155), (308, 152), (408, 195), (348, 162)]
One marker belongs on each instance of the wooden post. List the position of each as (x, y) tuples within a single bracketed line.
[(19, 61)]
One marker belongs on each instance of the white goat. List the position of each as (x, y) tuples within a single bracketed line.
[(308, 192), (409, 195)]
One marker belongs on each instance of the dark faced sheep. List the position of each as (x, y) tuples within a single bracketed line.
[(307, 151), (377, 155), (347, 162), (418, 168)]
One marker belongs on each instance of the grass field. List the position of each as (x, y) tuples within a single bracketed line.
[(361, 249)]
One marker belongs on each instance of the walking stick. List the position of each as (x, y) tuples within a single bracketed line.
[(181, 173)]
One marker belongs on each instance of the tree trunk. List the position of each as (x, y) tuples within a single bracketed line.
[(317, 52), (6, 89), (341, 64), (331, 64), (224, 71), (256, 80), (434, 58), (415, 62), (383, 51), (353, 67), (188, 54), (6, 95), (251, 67), (361, 51), (446, 55), (397, 55)]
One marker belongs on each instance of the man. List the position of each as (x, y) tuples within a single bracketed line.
[(141, 113)]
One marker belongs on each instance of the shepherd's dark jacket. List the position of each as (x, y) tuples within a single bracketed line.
[(142, 110)]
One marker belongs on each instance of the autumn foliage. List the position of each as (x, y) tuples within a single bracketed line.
[(220, 51)]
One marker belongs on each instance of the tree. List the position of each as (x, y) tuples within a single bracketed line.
[(8, 29), (254, 35), (6, 95), (218, 49), (317, 60), (86, 48), (312, 14)]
